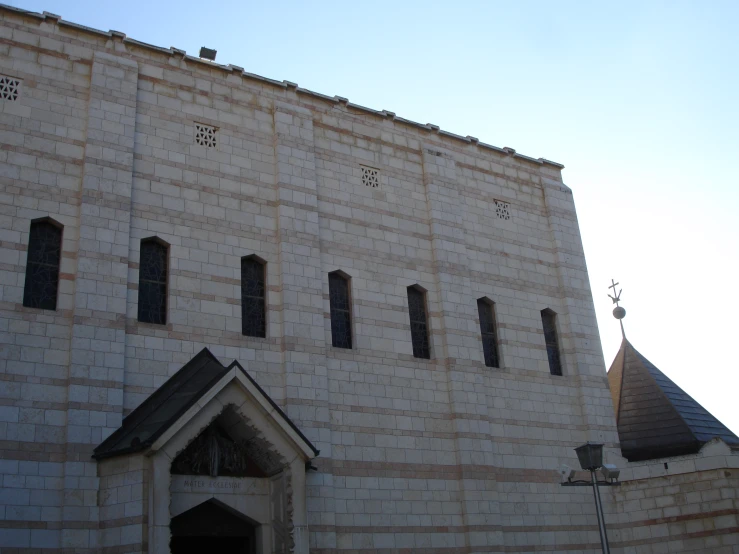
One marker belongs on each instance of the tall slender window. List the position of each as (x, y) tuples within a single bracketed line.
[(487, 329), (341, 317), (153, 269), (419, 322), (42, 265), (253, 305), (548, 318)]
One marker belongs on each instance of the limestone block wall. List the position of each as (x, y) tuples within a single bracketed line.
[(123, 502), (679, 504), (43, 137), (443, 455)]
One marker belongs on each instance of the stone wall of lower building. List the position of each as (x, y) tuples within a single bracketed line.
[(694, 512), (440, 455), (680, 504)]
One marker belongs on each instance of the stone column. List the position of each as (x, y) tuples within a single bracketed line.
[(158, 516), (95, 400), (300, 509)]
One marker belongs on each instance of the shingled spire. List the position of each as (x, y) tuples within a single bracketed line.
[(655, 417)]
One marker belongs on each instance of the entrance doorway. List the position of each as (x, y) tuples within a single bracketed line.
[(212, 527)]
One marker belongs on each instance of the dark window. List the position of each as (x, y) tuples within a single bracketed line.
[(487, 328), (341, 318), (419, 325), (42, 265), (550, 337), (153, 282), (253, 308)]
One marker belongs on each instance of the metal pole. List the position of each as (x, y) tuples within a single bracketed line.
[(599, 511)]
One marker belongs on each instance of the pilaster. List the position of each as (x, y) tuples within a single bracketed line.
[(95, 399), (451, 309), (302, 288)]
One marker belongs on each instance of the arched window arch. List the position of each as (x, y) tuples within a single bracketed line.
[(153, 274), (549, 322), (419, 322), (42, 264), (253, 296), (340, 305), (486, 311)]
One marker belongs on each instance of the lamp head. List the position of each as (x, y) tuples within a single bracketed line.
[(590, 455)]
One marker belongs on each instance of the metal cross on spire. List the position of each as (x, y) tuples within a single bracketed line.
[(616, 297), (618, 312)]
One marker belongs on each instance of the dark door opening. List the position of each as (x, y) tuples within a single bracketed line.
[(212, 527)]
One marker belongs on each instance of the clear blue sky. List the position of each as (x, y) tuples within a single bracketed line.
[(637, 99)]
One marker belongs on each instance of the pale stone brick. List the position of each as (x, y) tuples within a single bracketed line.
[(414, 444)]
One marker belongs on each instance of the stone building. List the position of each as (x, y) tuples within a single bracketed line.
[(240, 316)]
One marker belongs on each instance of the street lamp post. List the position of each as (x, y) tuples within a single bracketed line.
[(590, 456)]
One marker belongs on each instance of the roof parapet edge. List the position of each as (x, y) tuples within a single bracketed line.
[(135, 42), (454, 136), (410, 122), (256, 77), (191, 58), (309, 92), (550, 162), (63, 23), (21, 11), (528, 158), (364, 109), (282, 84), (491, 147)]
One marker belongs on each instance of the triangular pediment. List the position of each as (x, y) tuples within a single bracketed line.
[(201, 381), (231, 447)]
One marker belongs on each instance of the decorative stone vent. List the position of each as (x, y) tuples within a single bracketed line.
[(9, 88), (205, 135), (502, 209), (370, 176)]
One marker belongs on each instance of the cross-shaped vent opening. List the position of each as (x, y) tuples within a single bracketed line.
[(9, 88), (370, 177), (205, 135)]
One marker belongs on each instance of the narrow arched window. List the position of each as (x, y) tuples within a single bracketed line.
[(253, 305), (485, 309), (341, 317), (419, 322), (153, 270), (42, 265), (548, 320)]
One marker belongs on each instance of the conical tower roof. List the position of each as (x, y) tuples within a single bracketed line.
[(655, 417)]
